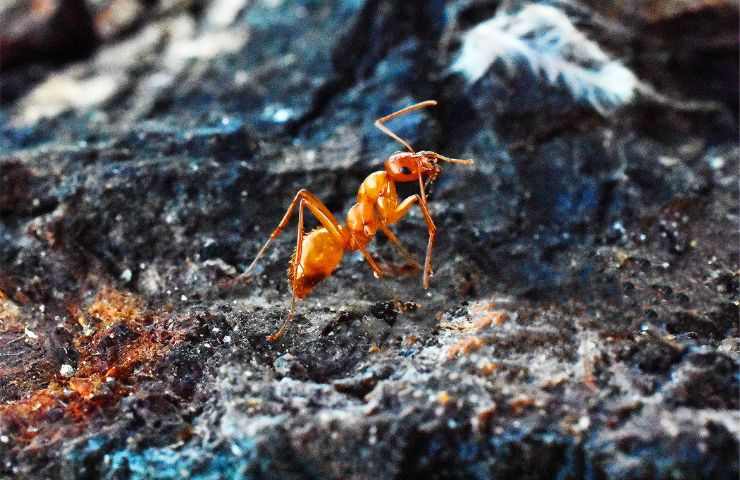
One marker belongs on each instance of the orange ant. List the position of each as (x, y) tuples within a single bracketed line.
[(318, 254)]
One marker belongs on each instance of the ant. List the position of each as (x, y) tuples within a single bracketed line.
[(318, 254)]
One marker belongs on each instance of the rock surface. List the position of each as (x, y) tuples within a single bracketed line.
[(582, 321)]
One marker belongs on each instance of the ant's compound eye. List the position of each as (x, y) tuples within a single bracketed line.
[(406, 170)]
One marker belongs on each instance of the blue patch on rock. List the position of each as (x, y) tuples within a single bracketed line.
[(237, 460)]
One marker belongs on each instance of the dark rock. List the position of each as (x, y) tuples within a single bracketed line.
[(385, 311), (684, 322), (44, 31), (116, 337), (653, 356), (61, 343), (707, 381)]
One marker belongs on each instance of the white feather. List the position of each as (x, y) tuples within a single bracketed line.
[(545, 40)]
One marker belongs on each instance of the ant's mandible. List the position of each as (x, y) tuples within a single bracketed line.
[(318, 254)]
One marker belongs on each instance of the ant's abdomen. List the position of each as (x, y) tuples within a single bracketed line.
[(321, 253)]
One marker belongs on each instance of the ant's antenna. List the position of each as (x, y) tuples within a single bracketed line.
[(379, 122), (459, 161)]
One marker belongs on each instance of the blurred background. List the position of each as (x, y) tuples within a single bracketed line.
[(583, 317)]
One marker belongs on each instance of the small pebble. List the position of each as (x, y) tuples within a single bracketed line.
[(67, 370), (126, 275)]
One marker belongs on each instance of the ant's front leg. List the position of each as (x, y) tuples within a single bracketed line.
[(403, 209), (432, 229)]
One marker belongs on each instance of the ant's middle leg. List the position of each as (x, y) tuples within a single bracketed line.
[(377, 271), (397, 243)]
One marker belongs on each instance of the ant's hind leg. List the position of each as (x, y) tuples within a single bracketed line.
[(322, 214), (295, 263), (417, 106), (284, 327)]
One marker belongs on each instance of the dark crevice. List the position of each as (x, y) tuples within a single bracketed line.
[(374, 35)]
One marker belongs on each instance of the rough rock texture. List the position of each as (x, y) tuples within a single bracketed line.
[(583, 317)]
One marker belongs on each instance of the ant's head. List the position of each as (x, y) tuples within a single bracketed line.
[(406, 166)]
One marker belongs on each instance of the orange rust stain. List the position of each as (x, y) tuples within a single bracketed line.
[(482, 317), (43, 7), (482, 323), (111, 306), (521, 403), (444, 398), (466, 346), (410, 340), (9, 313), (488, 368), (104, 373), (484, 417), (589, 378)]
